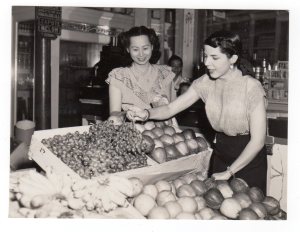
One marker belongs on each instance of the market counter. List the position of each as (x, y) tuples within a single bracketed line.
[(277, 170)]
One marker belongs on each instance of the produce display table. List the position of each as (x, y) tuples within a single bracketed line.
[(178, 188)]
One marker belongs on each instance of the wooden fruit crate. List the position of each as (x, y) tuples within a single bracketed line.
[(153, 172)]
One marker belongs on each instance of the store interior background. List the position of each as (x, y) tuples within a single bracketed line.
[(88, 37)]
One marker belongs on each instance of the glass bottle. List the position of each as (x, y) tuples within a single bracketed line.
[(254, 62), (199, 69)]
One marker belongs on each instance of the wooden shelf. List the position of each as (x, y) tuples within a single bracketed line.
[(274, 101), (264, 48)]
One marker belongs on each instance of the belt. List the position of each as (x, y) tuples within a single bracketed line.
[(222, 133)]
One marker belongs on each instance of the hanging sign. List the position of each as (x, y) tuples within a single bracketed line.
[(48, 21)]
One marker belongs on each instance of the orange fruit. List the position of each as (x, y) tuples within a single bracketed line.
[(174, 208), (185, 215), (188, 204), (159, 212), (144, 203), (162, 185), (151, 190)]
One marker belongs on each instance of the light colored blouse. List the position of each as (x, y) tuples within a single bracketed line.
[(141, 91), (229, 100)]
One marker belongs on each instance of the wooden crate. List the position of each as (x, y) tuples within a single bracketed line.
[(153, 172)]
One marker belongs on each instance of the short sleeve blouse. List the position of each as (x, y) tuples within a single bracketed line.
[(134, 93), (229, 101)]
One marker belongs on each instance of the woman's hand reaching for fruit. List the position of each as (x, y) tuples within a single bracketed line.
[(137, 114), (221, 175)]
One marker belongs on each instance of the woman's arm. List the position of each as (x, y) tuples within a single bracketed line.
[(179, 104), (115, 99), (257, 141)]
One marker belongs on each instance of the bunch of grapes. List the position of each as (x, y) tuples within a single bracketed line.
[(105, 148)]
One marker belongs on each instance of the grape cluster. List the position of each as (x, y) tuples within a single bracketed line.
[(105, 148)]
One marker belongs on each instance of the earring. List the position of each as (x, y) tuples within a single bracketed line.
[(231, 66)]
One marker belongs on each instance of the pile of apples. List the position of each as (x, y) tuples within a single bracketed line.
[(165, 143), (193, 196)]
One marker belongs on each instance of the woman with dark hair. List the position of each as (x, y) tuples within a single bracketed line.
[(236, 108), (141, 82)]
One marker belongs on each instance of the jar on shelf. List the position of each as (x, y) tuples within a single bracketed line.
[(276, 94)]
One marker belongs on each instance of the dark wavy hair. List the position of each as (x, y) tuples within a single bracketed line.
[(230, 44), (124, 42)]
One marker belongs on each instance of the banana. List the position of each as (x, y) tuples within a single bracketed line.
[(27, 212), (75, 203), (95, 197), (122, 184), (33, 184), (25, 201), (116, 196), (57, 210), (87, 197), (41, 213), (29, 190), (81, 193), (42, 180), (90, 205), (113, 205), (104, 197), (66, 191), (48, 210), (55, 213), (55, 181), (39, 200), (79, 185)]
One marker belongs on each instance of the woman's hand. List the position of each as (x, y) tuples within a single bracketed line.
[(221, 175), (137, 116), (135, 113), (117, 118)]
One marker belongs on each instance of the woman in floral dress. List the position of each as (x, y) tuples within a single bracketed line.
[(142, 83)]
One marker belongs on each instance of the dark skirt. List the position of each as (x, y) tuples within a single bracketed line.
[(225, 152)]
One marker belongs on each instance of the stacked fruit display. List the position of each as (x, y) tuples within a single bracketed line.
[(165, 143), (60, 196), (105, 148), (192, 197)]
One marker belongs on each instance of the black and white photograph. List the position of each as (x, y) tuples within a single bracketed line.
[(171, 114)]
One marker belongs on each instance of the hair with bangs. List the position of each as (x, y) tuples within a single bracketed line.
[(124, 41)]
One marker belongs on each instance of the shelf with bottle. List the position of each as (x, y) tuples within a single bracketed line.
[(26, 28), (277, 83)]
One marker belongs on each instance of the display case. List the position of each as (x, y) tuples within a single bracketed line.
[(24, 71)]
